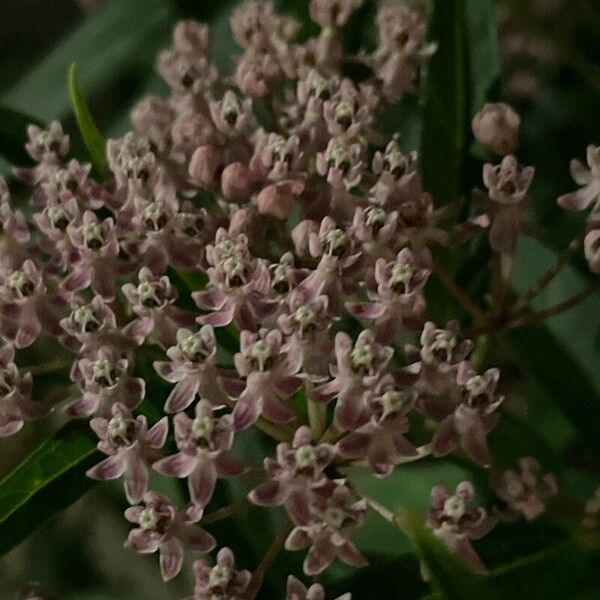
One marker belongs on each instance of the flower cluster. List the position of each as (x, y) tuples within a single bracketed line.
[(312, 261)]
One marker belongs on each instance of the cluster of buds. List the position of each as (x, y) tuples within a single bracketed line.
[(317, 227)]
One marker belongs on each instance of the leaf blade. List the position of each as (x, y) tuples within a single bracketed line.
[(93, 139), (48, 480)]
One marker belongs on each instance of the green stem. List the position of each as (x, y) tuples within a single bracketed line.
[(226, 511), (268, 559)]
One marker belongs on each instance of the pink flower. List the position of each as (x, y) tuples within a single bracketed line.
[(16, 405), (525, 492), (297, 470), (170, 531), (296, 590), (401, 50), (507, 185), (334, 515), (589, 180), (203, 457), (152, 301), (239, 284), (26, 308), (473, 418), (456, 523), (221, 581), (270, 378), (357, 369), (398, 300), (131, 447), (381, 439), (328, 13), (98, 262), (306, 323), (47, 144), (192, 368), (104, 382), (342, 163), (91, 326)]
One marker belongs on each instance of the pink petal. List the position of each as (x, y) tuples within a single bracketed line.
[(83, 407), (246, 412), (110, 468), (171, 558), (270, 493), (136, 480), (182, 395), (157, 434), (176, 465), (202, 482)]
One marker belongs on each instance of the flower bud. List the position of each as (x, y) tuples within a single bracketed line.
[(238, 182), (496, 128), (278, 199), (205, 164), (248, 222), (301, 234)]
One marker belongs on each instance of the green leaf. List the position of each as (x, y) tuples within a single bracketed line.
[(94, 140), (51, 478), (462, 75), (13, 134), (483, 52), (118, 37), (542, 357), (445, 109)]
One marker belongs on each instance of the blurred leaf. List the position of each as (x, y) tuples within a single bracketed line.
[(94, 141), (51, 478), (444, 111), (541, 356), (461, 76), (483, 52), (13, 134), (117, 36)]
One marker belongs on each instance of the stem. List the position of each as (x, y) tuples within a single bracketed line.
[(268, 559), (533, 318), (279, 432), (226, 511), (331, 435), (559, 308), (503, 267), (422, 452), (317, 413), (550, 274), (458, 294)]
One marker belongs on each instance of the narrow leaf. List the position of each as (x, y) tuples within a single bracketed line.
[(444, 111), (483, 52), (51, 478), (94, 141)]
